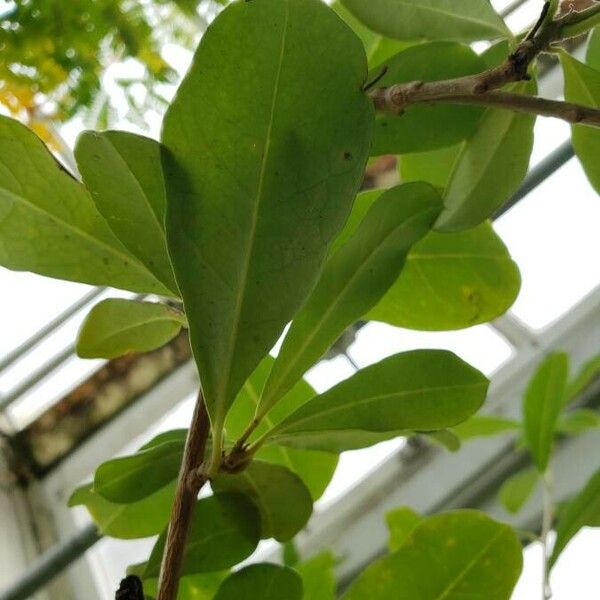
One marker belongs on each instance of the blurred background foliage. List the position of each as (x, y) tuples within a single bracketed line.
[(54, 53)]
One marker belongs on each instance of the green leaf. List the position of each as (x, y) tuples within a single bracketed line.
[(593, 52), (582, 511), (543, 401), (490, 168), (452, 556), (377, 47), (260, 185), (452, 281), (141, 519), (423, 390), (225, 530), (172, 435), (577, 421), (582, 86), (517, 489), (284, 502), (401, 522), (467, 21), (314, 468), (318, 577), (434, 167), (265, 581), (587, 373), (191, 587), (49, 224), (427, 127), (117, 326), (123, 173), (131, 478), (353, 281), (445, 438), (485, 426)]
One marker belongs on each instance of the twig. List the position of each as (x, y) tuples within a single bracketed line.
[(480, 88), (547, 518), (186, 495)]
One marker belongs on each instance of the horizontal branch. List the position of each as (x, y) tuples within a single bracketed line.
[(396, 98)]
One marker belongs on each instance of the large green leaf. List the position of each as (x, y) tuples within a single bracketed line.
[(141, 519), (353, 281), (426, 127), (582, 85), (201, 586), (131, 478), (260, 183), (122, 171), (225, 530), (542, 404), (284, 502), (423, 390), (452, 281), (378, 48), (49, 224), (518, 489), (401, 523), (318, 577), (465, 21), (265, 581), (451, 556), (314, 468), (117, 326), (581, 511), (490, 167)]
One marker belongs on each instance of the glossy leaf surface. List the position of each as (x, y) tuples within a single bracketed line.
[(265, 581), (117, 326), (465, 21), (422, 390), (47, 218), (354, 279), (260, 185), (123, 173)]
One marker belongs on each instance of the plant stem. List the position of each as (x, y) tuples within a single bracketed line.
[(547, 518), (186, 495), (480, 88)]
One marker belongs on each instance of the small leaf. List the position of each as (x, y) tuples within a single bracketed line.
[(577, 421), (582, 86), (445, 438), (485, 426), (49, 224), (314, 468), (587, 373), (423, 390), (451, 556), (123, 173), (116, 326), (452, 281), (581, 511), (141, 519), (490, 167), (265, 581), (260, 185), (517, 489), (131, 478), (318, 577), (353, 281), (225, 530), (427, 127), (467, 21), (284, 503), (543, 401), (401, 522)]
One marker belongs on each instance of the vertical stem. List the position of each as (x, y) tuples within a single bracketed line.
[(184, 503), (547, 518)]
